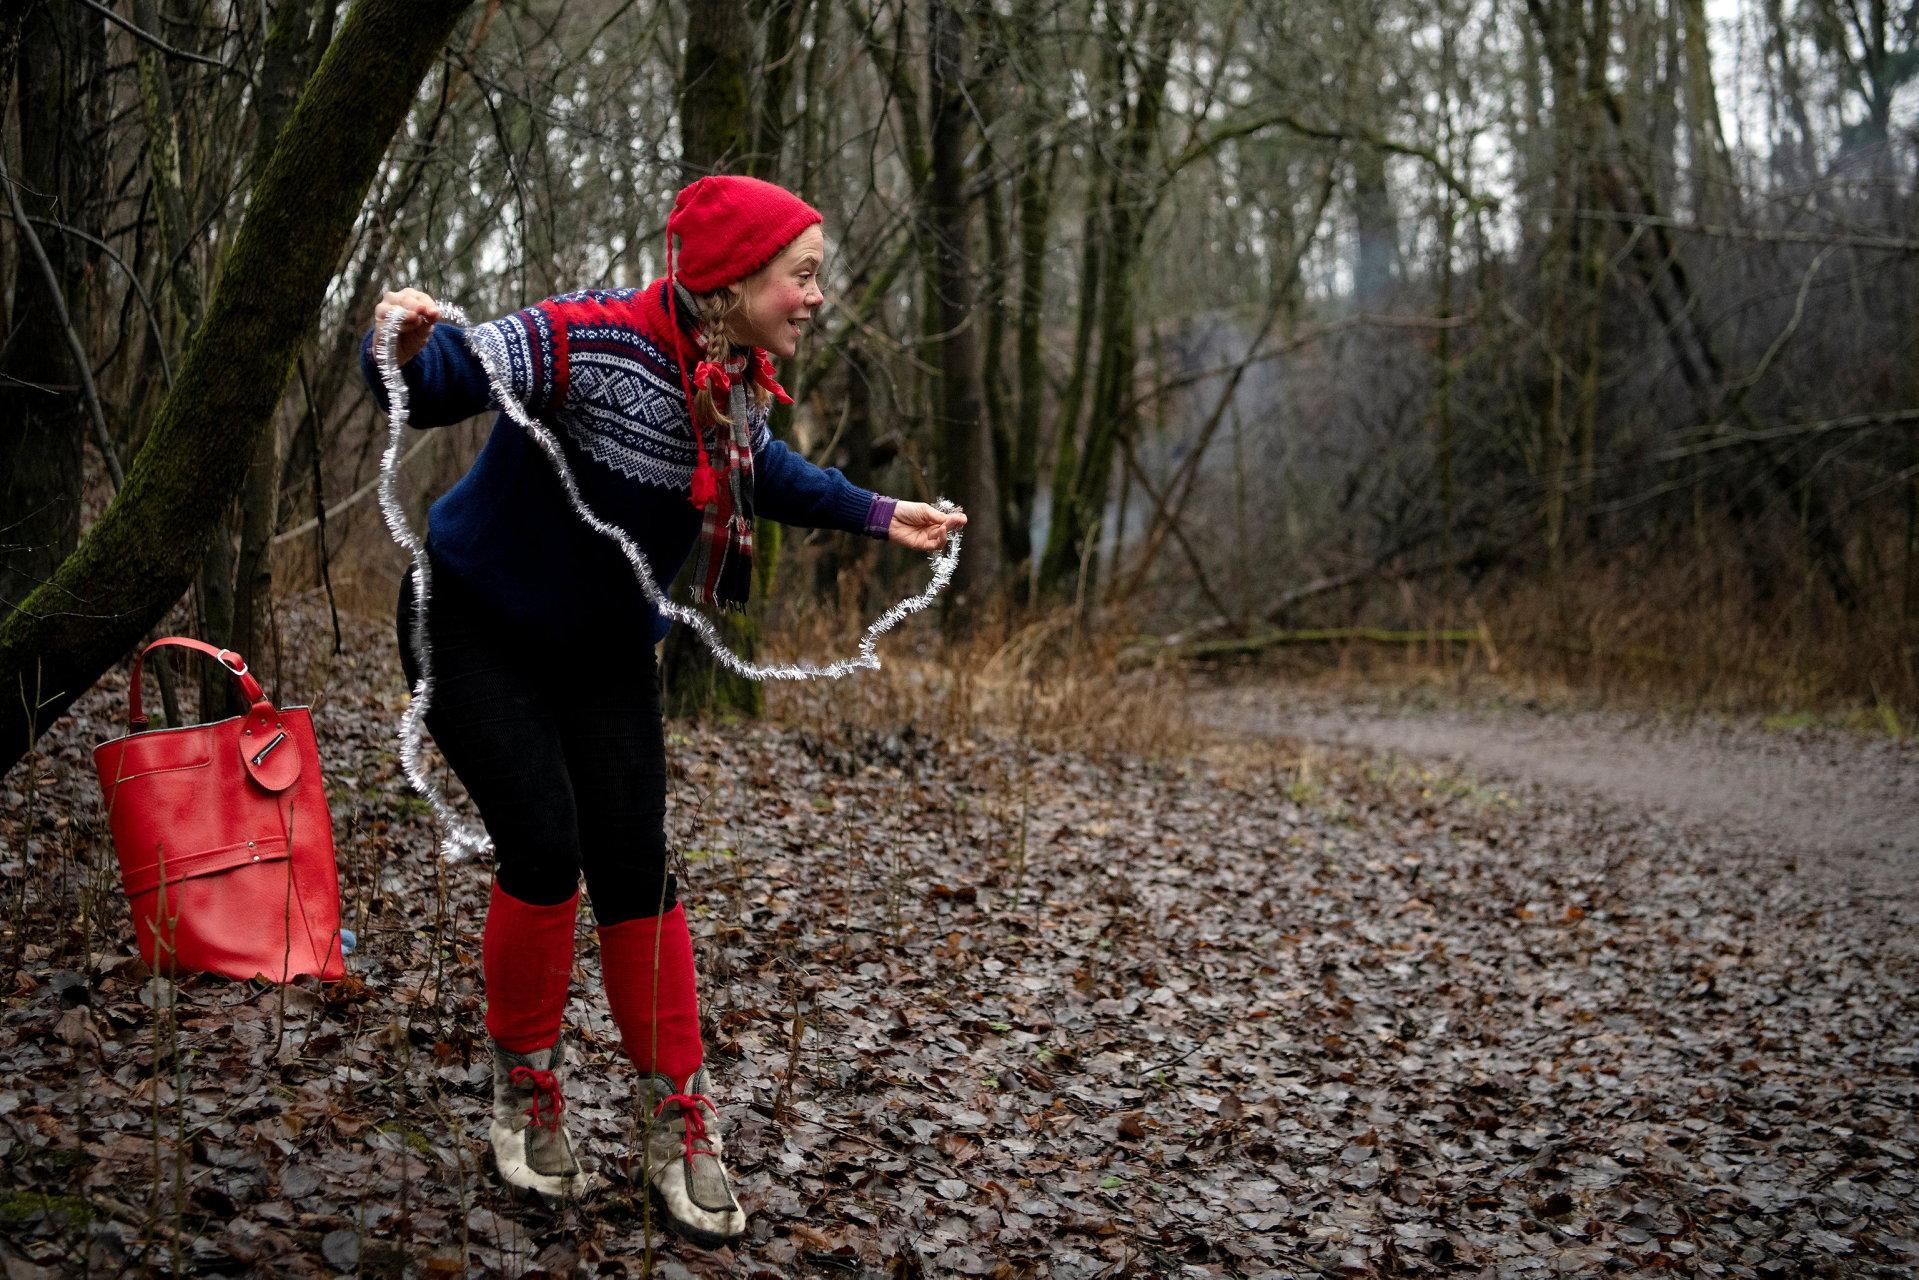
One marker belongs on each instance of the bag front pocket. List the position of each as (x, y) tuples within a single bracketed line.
[(145, 754)]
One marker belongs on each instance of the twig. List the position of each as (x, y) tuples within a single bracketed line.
[(796, 1036), (133, 278), (1322, 635), (1893, 244), (147, 37), (319, 506), (1170, 521), (102, 437), (1721, 439), (347, 503)]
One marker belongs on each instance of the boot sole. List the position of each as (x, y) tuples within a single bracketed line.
[(686, 1231), (535, 1195), (582, 1183)]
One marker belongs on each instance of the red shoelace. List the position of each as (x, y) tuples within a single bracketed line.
[(690, 1104), (546, 1086)]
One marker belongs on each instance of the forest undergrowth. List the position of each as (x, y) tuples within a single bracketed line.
[(1006, 971)]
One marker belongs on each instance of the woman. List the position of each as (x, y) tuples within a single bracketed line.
[(546, 695)]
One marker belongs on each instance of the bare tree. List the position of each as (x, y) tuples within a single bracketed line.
[(140, 555)]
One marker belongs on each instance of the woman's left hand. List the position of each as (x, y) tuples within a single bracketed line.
[(923, 527)]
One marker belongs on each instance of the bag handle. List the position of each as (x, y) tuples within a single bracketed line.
[(137, 718)]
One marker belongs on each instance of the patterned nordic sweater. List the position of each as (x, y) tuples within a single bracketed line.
[(595, 366)]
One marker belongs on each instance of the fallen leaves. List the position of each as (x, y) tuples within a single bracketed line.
[(1132, 1019)]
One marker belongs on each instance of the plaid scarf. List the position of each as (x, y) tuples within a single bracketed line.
[(723, 572)]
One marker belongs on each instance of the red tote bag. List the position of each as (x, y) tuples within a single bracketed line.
[(224, 838)]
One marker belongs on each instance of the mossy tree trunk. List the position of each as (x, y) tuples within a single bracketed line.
[(142, 552), (41, 404), (965, 447), (1035, 210), (175, 223), (714, 135), (1084, 478), (284, 65)]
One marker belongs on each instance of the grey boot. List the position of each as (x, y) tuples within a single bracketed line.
[(530, 1146), (681, 1141)]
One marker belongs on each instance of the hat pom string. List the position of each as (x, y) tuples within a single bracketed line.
[(706, 485)]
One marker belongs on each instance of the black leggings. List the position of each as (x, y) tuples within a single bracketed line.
[(565, 761)]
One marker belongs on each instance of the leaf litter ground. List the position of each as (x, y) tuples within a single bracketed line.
[(978, 1008)]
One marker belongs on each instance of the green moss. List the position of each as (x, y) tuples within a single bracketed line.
[(16, 1206), (407, 1134), (409, 802), (1880, 718)]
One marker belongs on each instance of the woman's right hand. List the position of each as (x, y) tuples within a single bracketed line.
[(421, 313)]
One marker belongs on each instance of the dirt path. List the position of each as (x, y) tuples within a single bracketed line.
[(1824, 799)]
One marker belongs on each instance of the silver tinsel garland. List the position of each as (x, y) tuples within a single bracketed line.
[(460, 839)]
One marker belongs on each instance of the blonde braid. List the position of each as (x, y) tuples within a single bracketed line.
[(716, 311)]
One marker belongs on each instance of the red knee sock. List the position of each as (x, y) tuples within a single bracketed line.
[(527, 957), (642, 958)]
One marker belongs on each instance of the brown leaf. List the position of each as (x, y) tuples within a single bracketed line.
[(76, 1028)]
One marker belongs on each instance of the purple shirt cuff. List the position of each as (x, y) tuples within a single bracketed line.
[(879, 516)]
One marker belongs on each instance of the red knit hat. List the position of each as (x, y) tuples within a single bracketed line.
[(729, 227)]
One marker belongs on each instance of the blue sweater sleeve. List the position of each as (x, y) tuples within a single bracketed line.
[(791, 490), (447, 383)]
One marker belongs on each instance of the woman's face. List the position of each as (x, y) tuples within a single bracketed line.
[(779, 298)]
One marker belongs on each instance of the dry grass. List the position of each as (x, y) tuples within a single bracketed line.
[(1045, 678), (1703, 634), (1632, 631)]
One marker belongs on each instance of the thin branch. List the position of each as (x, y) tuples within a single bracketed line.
[(147, 37), (102, 437), (1328, 133), (345, 504), (1737, 394), (133, 277), (1720, 438), (1170, 521), (1891, 244)]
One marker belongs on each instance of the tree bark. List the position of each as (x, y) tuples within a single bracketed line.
[(1021, 478), (713, 116), (1077, 519), (1059, 558), (1376, 251), (783, 20), (42, 405), (1715, 188), (713, 132), (141, 553), (283, 67), (965, 448), (175, 220)]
